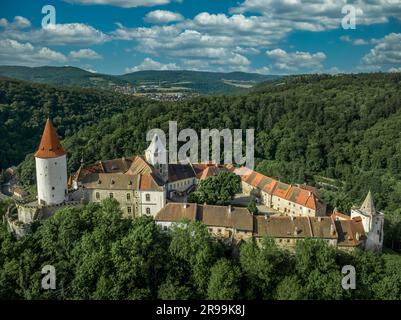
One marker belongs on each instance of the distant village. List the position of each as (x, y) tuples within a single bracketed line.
[(144, 186), (157, 92)]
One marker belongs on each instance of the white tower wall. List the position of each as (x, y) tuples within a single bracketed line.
[(51, 177)]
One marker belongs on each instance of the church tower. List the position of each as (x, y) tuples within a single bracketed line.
[(373, 223), (51, 168), (156, 155)]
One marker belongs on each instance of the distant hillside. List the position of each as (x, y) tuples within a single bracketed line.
[(61, 76), (202, 82), (140, 82)]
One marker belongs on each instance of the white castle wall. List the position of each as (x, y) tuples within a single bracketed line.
[(51, 177)]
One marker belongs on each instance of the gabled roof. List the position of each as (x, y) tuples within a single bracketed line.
[(180, 171), (208, 169), (139, 166), (299, 195), (110, 181), (228, 217), (350, 232), (295, 227), (213, 216), (50, 146), (174, 212)]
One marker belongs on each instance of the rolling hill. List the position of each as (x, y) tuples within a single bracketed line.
[(194, 82)]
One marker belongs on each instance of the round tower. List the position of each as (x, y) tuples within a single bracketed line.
[(51, 168)]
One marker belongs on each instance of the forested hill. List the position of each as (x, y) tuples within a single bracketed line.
[(24, 107), (341, 133), (62, 76), (160, 81)]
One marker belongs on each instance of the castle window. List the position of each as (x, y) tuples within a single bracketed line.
[(55, 163), (53, 188), (111, 195), (165, 228), (129, 210), (147, 197), (147, 210), (97, 195), (128, 196)]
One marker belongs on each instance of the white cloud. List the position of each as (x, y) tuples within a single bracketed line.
[(121, 3), (249, 50), (295, 61), (356, 42), (58, 34), (394, 69), (263, 70), (18, 23), (319, 15), (14, 52), (84, 54), (163, 16), (386, 53), (149, 64)]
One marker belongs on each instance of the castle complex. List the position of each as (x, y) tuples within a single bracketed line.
[(149, 185)]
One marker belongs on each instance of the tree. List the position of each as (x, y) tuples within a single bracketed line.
[(289, 289), (192, 256), (252, 206), (224, 281), (263, 265), (217, 190)]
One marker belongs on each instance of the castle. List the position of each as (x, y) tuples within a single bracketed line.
[(150, 185)]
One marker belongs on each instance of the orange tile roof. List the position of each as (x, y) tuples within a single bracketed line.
[(50, 146), (148, 183), (295, 194)]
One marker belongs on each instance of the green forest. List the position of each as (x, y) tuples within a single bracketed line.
[(338, 133), (99, 255)]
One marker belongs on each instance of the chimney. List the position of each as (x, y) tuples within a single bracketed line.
[(229, 209), (310, 193)]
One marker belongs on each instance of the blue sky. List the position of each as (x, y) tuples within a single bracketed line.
[(265, 36)]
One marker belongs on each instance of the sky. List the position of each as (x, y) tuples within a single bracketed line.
[(263, 36)]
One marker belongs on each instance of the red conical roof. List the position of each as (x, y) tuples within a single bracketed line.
[(50, 146)]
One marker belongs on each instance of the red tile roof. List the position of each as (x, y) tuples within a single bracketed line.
[(50, 146), (300, 195)]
